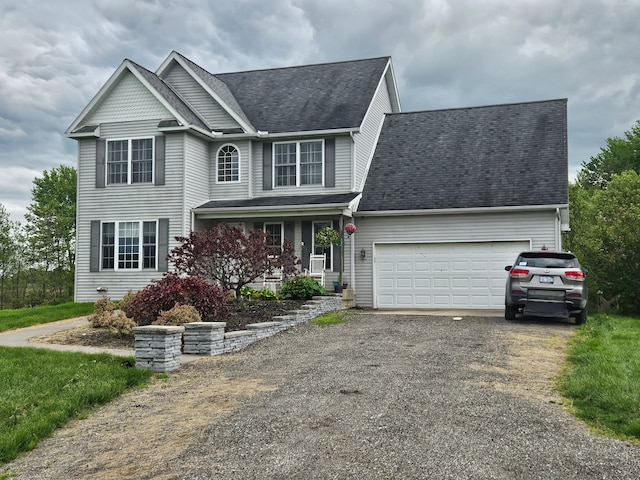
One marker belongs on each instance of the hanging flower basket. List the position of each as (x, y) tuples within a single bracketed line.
[(328, 236)]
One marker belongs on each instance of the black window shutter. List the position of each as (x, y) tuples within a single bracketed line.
[(336, 251), (163, 244), (160, 160), (307, 234), (289, 231), (330, 162), (94, 255), (266, 166), (101, 146), (258, 226)]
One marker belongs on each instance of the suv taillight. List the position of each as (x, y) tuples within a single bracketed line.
[(518, 272), (577, 275)]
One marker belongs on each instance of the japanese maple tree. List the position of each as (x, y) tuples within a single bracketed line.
[(225, 256)]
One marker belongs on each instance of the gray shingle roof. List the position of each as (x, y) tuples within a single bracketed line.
[(284, 201), (217, 86), (311, 97), (492, 156)]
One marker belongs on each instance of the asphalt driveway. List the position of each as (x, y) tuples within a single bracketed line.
[(379, 397)]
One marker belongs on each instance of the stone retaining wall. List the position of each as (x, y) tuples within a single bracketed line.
[(158, 347)]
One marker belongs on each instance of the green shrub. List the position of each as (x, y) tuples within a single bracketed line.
[(301, 288), (178, 315), (264, 294)]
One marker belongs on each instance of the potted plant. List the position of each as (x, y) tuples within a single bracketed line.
[(326, 237)]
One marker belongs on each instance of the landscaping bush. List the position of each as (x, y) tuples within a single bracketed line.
[(252, 293), (162, 295), (106, 316), (124, 302), (178, 315), (301, 288)]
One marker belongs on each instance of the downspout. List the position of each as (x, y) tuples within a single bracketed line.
[(558, 228), (184, 186)]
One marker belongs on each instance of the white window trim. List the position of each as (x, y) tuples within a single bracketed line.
[(129, 162), (298, 184), (329, 265), (217, 159), (116, 259)]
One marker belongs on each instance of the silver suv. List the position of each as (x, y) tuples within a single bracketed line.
[(546, 284)]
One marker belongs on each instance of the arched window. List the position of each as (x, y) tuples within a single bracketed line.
[(228, 164)]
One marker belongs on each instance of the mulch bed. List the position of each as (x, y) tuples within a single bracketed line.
[(251, 311)]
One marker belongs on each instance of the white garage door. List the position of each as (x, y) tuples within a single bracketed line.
[(443, 275)]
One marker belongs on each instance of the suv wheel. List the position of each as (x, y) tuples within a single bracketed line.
[(510, 312), (581, 317)]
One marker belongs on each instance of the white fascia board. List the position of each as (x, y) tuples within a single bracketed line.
[(460, 211), (311, 133), (274, 211)]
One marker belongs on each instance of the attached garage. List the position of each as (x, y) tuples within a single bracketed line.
[(442, 275)]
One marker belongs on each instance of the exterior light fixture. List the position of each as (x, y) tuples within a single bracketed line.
[(363, 254)]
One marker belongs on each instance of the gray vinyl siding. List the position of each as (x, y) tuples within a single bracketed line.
[(538, 227), (196, 187), (121, 203), (213, 114), (129, 100), (230, 190), (366, 139), (343, 181)]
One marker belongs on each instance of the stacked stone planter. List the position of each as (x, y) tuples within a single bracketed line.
[(203, 338), (158, 347)]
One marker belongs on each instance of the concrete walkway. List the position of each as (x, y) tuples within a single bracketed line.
[(22, 336)]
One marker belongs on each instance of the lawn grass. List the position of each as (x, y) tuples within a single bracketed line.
[(25, 317), (331, 319), (43, 389), (601, 378)]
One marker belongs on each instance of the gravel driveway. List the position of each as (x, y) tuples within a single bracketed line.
[(379, 397)]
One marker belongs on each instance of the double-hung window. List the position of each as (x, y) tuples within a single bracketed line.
[(298, 163), (129, 245), (130, 161)]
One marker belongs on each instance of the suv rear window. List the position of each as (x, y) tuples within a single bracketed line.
[(547, 260)]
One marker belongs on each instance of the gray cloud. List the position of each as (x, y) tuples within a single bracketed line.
[(446, 54)]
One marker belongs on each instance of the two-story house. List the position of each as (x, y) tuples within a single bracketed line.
[(442, 200)]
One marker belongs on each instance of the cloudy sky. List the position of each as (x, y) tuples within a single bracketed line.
[(55, 55)]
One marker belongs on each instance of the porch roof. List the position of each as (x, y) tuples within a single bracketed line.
[(293, 205)]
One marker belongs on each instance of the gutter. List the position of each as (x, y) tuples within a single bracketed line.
[(454, 211)]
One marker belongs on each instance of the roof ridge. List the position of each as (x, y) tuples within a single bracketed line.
[(307, 65), (476, 107)]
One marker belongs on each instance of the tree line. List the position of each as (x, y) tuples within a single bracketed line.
[(604, 209), (37, 259)]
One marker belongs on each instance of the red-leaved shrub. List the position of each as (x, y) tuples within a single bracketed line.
[(162, 295)]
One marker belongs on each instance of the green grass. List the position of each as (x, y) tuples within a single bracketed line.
[(43, 389), (601, 378), (331, 319), (25, 317)]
